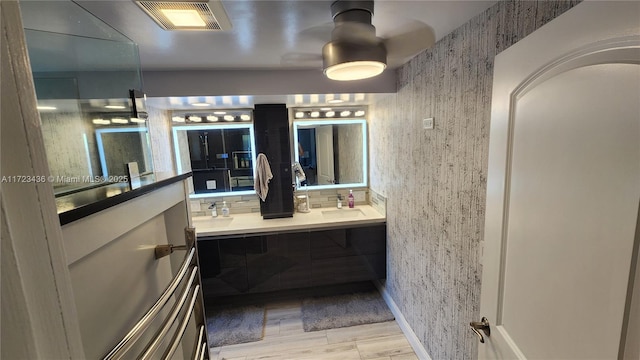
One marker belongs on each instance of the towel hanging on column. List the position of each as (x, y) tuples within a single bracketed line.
[(263, 175)]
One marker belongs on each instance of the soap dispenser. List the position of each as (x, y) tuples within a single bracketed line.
[(214, 209), (225, 209), (339, 201), (351, 199)]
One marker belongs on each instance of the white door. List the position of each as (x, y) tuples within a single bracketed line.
[(324, 152), (563, 188)]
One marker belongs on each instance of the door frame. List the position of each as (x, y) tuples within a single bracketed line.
[(588, 34), (324, 154), (36, 284)]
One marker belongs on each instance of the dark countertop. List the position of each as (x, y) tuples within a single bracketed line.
[(81, 204)]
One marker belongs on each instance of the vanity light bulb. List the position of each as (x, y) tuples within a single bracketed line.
[(137, 120), (228, 118), (330, 114), (195, 118), (178, 119), (345, 113), (299, 114), (315, 114), (119, 121), (360, 113), (245, 117), (101, 121), (212, 118)]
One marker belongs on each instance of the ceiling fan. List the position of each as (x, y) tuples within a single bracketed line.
[(352, 50)]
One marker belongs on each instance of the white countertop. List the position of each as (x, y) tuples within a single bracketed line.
[(239, 224)]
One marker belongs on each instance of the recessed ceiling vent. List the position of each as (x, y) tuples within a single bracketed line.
[(187, 15)]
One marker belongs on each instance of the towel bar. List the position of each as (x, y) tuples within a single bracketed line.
[(190, 298)]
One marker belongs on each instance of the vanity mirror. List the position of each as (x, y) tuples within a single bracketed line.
[(220, 154), (119, 146), (332, 152)]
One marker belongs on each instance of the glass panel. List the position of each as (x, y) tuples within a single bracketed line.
[(82, 74)]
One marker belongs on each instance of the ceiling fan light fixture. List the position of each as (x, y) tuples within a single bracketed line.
[(354, 52), (355, 70), (347, 61)]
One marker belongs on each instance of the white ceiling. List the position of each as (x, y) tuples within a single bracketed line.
[(268, 37), (268, 34)]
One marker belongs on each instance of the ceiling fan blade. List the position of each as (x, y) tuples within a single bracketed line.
[(301, 59), (355, 32), (319, 33), (414, 38)]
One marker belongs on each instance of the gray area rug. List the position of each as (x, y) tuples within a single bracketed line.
[(344, 310), (235, 325)]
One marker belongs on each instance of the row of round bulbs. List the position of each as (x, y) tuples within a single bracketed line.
[(211, 118), (329, 113), (117, 120)]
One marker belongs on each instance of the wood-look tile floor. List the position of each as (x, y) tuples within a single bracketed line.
[(284, 338)]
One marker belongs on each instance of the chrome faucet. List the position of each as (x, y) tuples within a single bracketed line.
[(214, 209)]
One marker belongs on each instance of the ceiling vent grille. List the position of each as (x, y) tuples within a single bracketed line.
[(211, 12)]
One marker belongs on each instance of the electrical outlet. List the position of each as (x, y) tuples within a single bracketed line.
[(427, 123)]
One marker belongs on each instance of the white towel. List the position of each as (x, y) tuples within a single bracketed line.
[(297, 169), (263, 175)]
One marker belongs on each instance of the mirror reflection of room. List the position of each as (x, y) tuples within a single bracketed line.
[(219, 153), (307, 155), (87, 146), (119, 146), (331, 151)]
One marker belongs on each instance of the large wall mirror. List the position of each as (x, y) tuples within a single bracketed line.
[(86, 148), (332, 152), (119, 146), (219, 154)]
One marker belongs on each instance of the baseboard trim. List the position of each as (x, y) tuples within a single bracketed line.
[(420, 351)]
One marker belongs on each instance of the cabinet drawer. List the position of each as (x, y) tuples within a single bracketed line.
[(348, 269), (348, 242)]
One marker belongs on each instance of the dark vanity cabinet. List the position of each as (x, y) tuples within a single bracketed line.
[(292, 260), (271, 127), (351, 254)]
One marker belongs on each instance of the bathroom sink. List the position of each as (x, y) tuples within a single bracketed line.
[(221, 221), (342, 213)]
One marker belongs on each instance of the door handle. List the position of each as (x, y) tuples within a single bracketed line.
[(483, 325)]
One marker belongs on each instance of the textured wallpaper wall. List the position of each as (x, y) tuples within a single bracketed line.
[(435, 180), (160, 135), (64, 142)]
